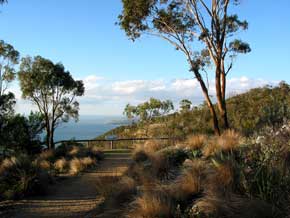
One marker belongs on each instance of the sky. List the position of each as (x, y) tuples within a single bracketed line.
[(84, 37)]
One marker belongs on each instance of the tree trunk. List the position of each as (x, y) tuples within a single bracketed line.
[(51, 141), (209, 103), (48, 137), (220, 82), (224, 113)]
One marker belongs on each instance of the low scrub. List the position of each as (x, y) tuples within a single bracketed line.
[(75, 166), (226, 176), (20, 176)]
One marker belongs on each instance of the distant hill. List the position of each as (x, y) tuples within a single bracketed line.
[(247, 113)]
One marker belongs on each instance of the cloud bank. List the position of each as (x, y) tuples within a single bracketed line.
[(108, 97)]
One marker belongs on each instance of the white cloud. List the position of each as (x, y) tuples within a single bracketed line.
[(104, 96)]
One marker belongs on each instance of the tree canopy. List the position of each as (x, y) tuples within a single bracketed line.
[(8, 58), (52, 89), (149, 109), (203, 30)]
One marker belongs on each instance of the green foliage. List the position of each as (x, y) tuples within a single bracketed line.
[(268, 106), (8, 58), (21, 133), (185, 105), (149, 110)]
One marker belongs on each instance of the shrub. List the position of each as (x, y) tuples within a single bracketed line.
[(151, 146), (232, 206), (189, 183), (88, 162), (75, 166), (155, 204), (19, 176), (43, 164), (61, 165), (175, 156), (116, 190), (196, 141)]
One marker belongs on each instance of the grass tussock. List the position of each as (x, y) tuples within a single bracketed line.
[(88, 162), (223, 179), (20, 176), (75, 166), (227, 142), (196, 141), (116, 190), (155, 204), (61, 165)]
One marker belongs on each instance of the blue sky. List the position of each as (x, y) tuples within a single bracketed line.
[(84, 37)]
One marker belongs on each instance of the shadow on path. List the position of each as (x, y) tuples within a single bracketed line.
[(75, 197)]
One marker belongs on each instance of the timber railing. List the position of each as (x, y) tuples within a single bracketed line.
[(122, 143)]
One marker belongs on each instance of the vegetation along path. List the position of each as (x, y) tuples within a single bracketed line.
[(73, 197)]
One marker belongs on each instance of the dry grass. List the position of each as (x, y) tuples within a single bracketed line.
[(88, 162), (116, 190), (153, 146), (7, 163), (189, 183), (43, 164), (232, 206), (152, 205), (196, 141), (228, 141), (60, 165), (75, 166)]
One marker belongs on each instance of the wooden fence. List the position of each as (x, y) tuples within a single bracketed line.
[(126, 143)]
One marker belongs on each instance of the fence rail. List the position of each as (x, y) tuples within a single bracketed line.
[(113, 143)]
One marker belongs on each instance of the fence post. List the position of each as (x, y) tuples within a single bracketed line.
[(112, 144)]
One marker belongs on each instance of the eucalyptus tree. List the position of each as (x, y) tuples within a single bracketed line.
[(52, 89), (203, 30), (185, 105), (9, 57), (148, 110)]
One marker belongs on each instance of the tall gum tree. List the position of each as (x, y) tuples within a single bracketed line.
[(52, 89), (203, 30)]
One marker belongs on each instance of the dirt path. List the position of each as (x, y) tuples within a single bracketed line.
[(73, 197)]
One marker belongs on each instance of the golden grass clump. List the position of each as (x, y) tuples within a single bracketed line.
[(151, 146), (155, 204), (190, 181), (7, 164), (229, 140), (43, 164), (60, 165), (196, 141), (233, 206), (210, 149), (75, 166), (115, 189), (88, 162)]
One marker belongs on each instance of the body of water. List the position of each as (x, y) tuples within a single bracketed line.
[(88, 127)]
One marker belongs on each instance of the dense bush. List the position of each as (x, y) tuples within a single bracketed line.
[(19, 177)]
